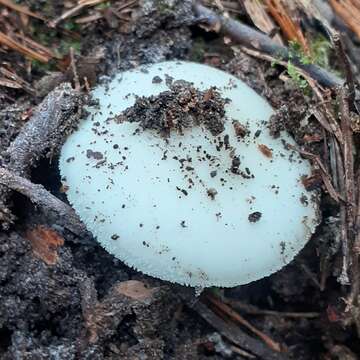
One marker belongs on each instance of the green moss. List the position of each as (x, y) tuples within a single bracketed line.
[(71, 26), (320, 48), (40, 67), (103, 6), (296, 77), (296, 51)]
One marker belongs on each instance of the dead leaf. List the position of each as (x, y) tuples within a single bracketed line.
[(134, 289), (45, 243)]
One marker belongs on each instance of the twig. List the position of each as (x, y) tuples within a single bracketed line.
[(235, 335), (17, 80), (339, 168), (253, 310), (51, 122), (348, 157), (351, 212), (326, 178), (21, 9), (242, 352), (337, 138), (345, 64), (225, 309), (41, 197), (13, 44), (327, 117), (345, 98), (10, 83), (74, 70), (116, 11), (36, 46), (254, 39), (42, 135), (71, 12)]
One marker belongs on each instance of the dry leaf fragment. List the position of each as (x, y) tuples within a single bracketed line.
[(45, 243), (256, 11), (135, 290), (290, 26)]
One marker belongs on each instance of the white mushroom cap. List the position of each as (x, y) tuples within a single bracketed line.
[(134, 195)]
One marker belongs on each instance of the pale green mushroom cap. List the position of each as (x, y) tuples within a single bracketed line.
[(135, 196)]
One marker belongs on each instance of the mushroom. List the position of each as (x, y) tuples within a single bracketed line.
[(191, 207)]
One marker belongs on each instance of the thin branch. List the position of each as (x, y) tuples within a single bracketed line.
[(247, 36), (253, 310), (235, 335), (19, 83), (236, 317), (74, 70), (74, 10), (13, 44)]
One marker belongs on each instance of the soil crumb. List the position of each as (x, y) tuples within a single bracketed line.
[(181, 107), (255, 216)]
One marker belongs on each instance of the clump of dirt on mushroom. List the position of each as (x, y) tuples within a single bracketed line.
[(181, 107)]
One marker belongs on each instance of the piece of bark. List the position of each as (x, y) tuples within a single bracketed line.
[(45, 243), (103, 317), (237, 318), (49, 203), (52, 121)]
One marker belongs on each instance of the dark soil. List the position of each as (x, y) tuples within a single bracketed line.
[(78, 308), (179, 108)]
